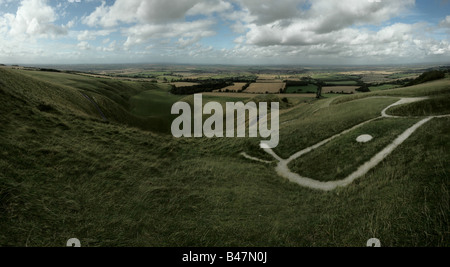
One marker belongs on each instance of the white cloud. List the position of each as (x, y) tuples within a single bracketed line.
[(262, 31), (323, 18), (187, 32), (395, 43), (240, 39), (84, 45), (143, 11), (446, 22), (209, 7), (267, 11), (345, 13), (155, 19), (92, 35), (34, 18)]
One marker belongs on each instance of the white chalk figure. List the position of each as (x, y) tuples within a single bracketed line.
[(283, 170), (74, 242), (374, 243), (365, 138)]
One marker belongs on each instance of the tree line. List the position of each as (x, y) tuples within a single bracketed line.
[(202, 87)]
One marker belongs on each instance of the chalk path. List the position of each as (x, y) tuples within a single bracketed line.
[(283, 170)]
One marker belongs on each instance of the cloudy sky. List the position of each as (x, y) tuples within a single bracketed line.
[(225, 31)]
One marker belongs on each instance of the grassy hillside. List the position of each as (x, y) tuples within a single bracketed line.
[(66, 173), (338, 159), (135, 104), (430, 89), (433, 106)]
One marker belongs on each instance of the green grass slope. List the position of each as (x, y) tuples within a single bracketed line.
[(65, 173), (118, 100), (337, 160)]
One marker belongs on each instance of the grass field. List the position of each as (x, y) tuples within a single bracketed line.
[(301, 89), (66, 173), (383, 87)]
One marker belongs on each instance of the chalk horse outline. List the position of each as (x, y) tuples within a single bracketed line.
[(283, 170)]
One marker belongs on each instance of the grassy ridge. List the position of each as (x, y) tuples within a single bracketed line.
[(434, 106), (65, 174)]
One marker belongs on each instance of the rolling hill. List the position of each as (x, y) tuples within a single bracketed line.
[(125, 181)]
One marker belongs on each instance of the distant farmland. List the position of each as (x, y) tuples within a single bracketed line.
[(343, 83), (268, 81), (339, 89), (262, 88)]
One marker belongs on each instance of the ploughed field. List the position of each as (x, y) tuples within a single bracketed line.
[(266, 87)]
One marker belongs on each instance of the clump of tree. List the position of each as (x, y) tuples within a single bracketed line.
[(203, 87), (49, 70), (427, 77), (363, 89), (445, 69), (400, 82), (297, 83), (320, 85), (246, 86)]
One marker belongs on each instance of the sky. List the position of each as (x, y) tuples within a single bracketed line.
[(245, 32)]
